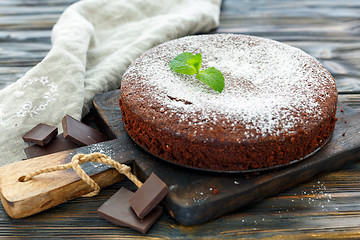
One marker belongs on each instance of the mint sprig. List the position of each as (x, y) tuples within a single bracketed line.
[(190, 64)]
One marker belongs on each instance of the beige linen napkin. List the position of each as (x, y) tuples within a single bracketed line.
[(93, 42)]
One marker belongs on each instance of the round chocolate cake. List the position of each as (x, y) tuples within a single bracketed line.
[(278, 104)]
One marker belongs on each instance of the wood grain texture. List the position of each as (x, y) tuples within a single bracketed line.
[(327, 207), (21, 199)]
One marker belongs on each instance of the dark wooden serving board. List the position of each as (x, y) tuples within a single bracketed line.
[(192, 199)]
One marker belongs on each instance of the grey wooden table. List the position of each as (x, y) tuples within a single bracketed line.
[(327, 207)]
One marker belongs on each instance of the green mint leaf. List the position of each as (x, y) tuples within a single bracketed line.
[(180, 64), (186, 63), (213, 78)]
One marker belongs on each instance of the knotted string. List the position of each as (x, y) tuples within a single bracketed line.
[(81, 158)]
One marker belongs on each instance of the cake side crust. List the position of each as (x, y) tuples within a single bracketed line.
[(227, 157)]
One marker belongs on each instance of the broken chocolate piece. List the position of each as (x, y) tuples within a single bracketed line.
[(118, 211), (80, 133), (148, 196), (41, 135), (58, 144)]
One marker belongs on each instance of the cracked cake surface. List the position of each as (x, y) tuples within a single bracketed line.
[(278, 104)]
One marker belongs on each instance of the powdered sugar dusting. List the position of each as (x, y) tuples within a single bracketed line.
[(269, 86)]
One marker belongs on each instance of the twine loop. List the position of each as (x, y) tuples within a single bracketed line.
[(75, 163)]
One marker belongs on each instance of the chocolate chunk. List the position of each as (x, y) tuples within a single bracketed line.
[(41, 135), (148, 196), (80, 133), (58, 144), (118, 211)]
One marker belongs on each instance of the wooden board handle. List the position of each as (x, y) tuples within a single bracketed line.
[(22, 199)]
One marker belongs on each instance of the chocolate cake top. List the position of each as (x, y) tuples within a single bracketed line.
[(271, 89)]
